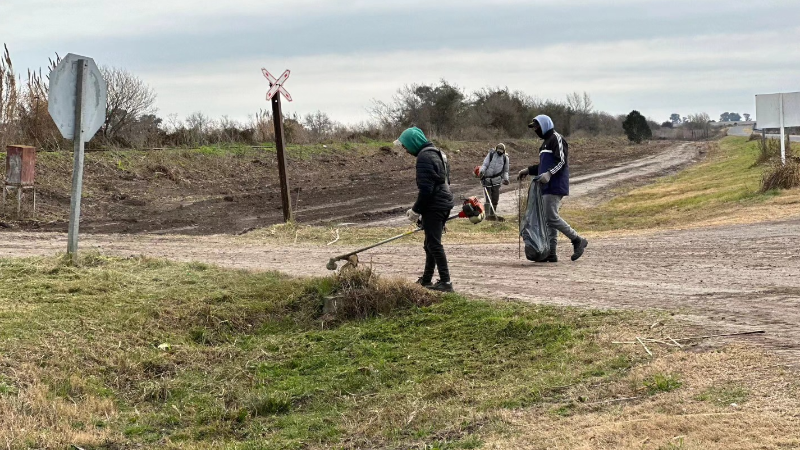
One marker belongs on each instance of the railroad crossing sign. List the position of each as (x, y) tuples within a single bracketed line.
[(276, 84)]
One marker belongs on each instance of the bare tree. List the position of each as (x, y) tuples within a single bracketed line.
[(129, 98), (581, 104), (319, 124), (700, 122), (198, 126)]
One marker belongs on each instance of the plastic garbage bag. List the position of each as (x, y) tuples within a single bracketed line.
[(534, 226)]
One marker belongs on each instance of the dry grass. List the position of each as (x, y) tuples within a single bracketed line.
[(149, 354), (782, 176), (145, 353), (361, 294), (734, 398), (726, 189)]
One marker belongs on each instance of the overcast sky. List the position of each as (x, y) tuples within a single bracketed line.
[(659, 57)]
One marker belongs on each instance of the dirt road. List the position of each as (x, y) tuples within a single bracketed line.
[(594, 184), (731, 279)]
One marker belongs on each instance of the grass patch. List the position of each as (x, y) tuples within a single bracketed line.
[(781, 176), (724, 395), (660, 382), (727, 184), (128, 352)]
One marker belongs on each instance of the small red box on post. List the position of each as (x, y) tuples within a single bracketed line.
[(20, 165)]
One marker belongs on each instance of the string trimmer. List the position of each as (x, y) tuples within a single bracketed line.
[(471, 209)]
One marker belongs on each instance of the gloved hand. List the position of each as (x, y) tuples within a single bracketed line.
[(477, 171), (522, 174), (545, 177), (413, 217), (506, 182)]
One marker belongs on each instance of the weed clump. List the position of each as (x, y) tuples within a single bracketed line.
[(768, 150), (360, 294), (662, 383), (782, 176)]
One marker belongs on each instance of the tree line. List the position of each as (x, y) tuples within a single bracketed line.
[(443, 110)]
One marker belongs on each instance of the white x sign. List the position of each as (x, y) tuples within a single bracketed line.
[(276, 84)]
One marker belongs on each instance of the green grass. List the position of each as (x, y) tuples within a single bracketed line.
[(146, 352), (724, 395), (661, 382), (727, 182)]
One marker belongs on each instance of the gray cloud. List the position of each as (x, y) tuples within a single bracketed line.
[(653, 55)]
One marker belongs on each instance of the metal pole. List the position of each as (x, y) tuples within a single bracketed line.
[(77, 171), (277, 119), (783, 136)]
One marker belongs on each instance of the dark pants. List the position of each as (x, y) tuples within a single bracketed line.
[(433, 225), (494, 196)]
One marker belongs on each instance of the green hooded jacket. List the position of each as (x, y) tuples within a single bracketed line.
[(414, 140)]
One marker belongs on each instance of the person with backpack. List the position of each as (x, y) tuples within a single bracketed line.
[(553, 172), (433, 205), (492, 173)]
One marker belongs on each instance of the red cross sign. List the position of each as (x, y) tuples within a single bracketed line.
[(276, 84)]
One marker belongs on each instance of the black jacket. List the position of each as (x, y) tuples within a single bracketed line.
[(433, 181)]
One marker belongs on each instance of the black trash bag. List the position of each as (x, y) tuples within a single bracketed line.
[(534, 226)]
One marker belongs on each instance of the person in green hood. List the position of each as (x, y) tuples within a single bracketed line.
[(433, 204)]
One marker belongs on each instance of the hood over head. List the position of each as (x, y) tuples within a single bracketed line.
[(413, 139)]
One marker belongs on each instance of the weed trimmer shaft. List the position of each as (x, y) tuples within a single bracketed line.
[(471, 209)]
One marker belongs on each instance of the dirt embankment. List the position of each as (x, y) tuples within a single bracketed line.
[(209, 191)]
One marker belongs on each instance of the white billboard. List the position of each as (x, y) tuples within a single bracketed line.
[(778, 111), (769, 107)]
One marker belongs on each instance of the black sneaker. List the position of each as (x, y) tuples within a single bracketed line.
[(421, 281), (442, 286), (579, 245)]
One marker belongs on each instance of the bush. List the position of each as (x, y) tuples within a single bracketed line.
[(636, 127), (361, 294), (782, 176)]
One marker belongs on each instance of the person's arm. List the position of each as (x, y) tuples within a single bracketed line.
[(558, 154), (426, 181), (506, 167), (485, 165)]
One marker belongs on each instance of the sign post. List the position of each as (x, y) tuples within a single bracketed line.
[(77, 104), (778, 111), (276, 86)]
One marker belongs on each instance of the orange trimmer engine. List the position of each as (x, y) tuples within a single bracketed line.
[(472, 209)]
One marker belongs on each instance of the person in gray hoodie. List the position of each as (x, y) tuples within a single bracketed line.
[(492, 173)]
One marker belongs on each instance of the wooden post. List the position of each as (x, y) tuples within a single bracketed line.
[(277, 119), (77, 171)]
